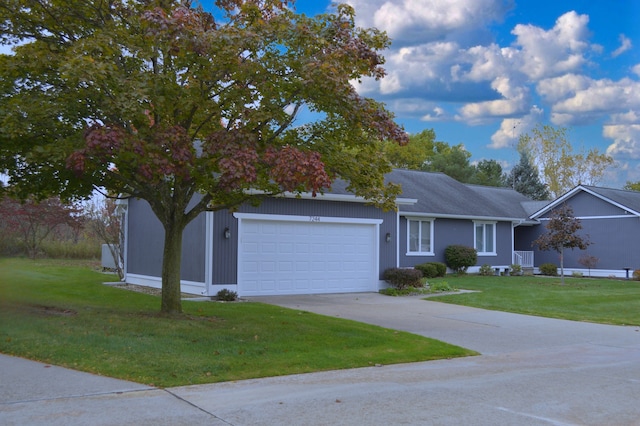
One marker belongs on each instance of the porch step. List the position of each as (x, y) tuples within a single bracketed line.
[(527, 270)]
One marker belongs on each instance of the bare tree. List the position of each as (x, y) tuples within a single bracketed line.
[(588, 261), (106, 219)]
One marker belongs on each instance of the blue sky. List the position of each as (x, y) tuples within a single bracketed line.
[(481, 72)]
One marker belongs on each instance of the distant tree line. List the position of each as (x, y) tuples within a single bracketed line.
[(54, 229), (548, 165)]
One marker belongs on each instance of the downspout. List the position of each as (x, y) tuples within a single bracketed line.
[(123, 205), (398, 239)]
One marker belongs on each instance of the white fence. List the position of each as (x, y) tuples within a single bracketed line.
[(523, 258)]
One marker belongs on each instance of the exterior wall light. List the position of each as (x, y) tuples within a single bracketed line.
[(387, 238), (227, 233)]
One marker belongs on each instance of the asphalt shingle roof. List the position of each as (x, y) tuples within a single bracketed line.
[(439, 194)]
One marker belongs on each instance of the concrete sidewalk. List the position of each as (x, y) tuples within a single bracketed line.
[(533, 371)]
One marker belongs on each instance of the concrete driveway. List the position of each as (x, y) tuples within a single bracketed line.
[(532, 371)]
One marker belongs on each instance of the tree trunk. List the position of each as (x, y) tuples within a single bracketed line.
[(171, 261), (562, 266)]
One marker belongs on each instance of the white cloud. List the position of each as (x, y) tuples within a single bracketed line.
[(596, 98), (629, 117), (436, 114), (558, 88), (625, 44), (417, 66), (511, 129), (626, 140), (487, 63), (515, 100), (554, 52), (636, 70), (427, 20), (492, 81)]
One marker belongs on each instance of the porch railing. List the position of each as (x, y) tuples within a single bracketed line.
[(523, 258)]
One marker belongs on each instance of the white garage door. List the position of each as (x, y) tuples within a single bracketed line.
[(318, 255)]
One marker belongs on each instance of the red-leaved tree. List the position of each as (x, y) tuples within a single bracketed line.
[(562, 233), (33, 221), (167, 102)]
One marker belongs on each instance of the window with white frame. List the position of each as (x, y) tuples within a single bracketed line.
[(419, 236), (485, 237)]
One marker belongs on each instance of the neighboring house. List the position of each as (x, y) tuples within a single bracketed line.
[(610, 219), (333, 243)]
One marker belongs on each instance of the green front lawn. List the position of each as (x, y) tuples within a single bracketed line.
[(607, 301), (61, 313)]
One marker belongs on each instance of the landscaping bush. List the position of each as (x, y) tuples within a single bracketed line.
[(486, 270), (402, 278), (459, 258), (432, 269), (515, 269), (441, 267), (441, 286), (428, 270), (226, 295), (636, 275), (549, 269)]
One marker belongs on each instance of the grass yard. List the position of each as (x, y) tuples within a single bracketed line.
[(607, 301), (59, 312)]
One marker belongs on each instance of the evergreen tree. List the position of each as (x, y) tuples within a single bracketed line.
[(524, 178), (488, 173), (452, 161)]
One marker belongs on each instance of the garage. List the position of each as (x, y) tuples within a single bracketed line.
[(280, 255)]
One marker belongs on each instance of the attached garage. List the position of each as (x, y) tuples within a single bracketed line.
[(280, 254)]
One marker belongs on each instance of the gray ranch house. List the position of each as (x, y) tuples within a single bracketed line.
[(610, 219), (335, 242)]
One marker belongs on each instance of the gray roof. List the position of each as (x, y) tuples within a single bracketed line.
[(533, 206), (441, 195)]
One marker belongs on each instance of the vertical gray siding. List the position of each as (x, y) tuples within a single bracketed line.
[(145, 242), (145, 239), (225, 252), (615, 241), (585, 204), (457, 231)]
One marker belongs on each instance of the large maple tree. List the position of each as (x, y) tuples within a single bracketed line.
[(189, 109)]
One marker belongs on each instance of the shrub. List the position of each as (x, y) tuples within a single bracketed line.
[(409, 291), (576, 274), (440, 286), (441, 267), (549, 269), (226, 295), (402, 278), (636, 275), (459, 258), (432, 269), (428, 270), (486, 270), (516, 269)]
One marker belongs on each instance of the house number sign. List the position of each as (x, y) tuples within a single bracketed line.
[(314, 218)]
